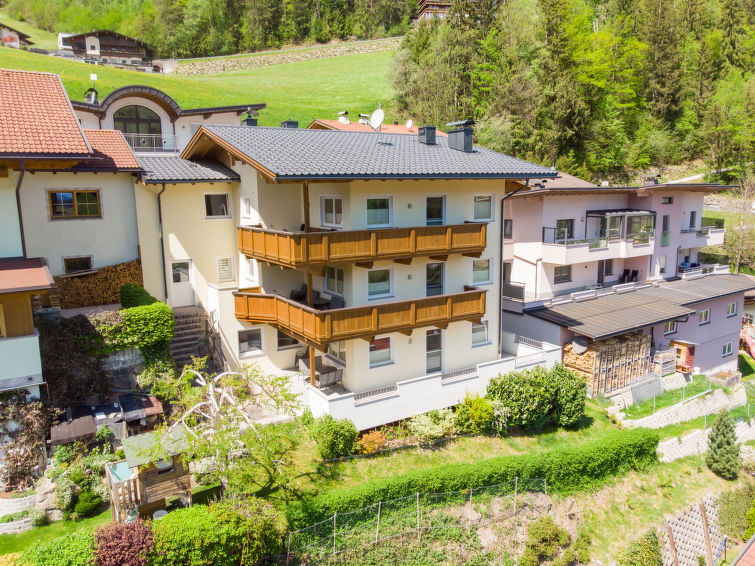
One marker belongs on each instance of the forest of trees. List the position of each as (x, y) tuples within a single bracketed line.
[(598, 88), (194, 28)]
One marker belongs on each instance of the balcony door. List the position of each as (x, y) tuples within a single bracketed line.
[(433, 347), (435, 208), (434, 279)]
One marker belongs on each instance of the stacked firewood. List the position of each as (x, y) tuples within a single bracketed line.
[(99, 287)]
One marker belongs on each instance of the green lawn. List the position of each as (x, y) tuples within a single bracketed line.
[(747, 367), (698, 385), (300, 91), (41, 39)]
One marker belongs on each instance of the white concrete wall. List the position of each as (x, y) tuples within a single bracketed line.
[(110, 239), (20, 357), (10, 235)]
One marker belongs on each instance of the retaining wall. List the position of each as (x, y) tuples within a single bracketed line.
[(688, 533), (10, 506), (15, 527), (709, 404), (696, 442)]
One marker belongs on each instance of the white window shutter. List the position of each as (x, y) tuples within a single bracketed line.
[(225, 268)]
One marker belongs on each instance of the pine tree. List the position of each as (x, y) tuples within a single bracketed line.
[(723, 450), (732, 18)]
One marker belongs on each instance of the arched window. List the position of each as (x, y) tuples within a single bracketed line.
[(136, 120)]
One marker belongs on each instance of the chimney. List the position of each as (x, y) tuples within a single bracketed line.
[(250, 120), (427, 135), (343, 117), (461, 138), (289, 124), (364, 119)]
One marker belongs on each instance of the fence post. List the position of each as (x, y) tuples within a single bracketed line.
[(516, 487), (288, 548), (377, 529), (334, 533), (419, 532)]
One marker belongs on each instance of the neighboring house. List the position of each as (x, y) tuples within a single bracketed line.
[(343, 123), (429, 9), (381, 253), (574, 251), (748, 315), (108, 47), (13, 38), (151, 120)]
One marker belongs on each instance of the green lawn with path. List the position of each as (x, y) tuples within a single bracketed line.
[(302, 90)]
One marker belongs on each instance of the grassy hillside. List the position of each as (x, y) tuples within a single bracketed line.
[(41, 39), (301, 91)]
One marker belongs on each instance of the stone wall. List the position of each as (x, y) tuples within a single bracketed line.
[(688, 532), (15, 526), (696, 443), (123, 366), (10, 506)]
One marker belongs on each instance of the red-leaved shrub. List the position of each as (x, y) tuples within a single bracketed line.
[(125, 544)]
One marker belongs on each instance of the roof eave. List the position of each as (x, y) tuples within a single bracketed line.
[(398, 176), (187, 181)]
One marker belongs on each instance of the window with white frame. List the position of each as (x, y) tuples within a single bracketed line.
[(669, 327), (380, 352), (252, 273), (480, 333), (331, 211), (337, 350), (703, 317), (334, 280), (285, 341), (216, 205), (562, 274), (246, 207), (727, 350), (481, 272), (225, 268), (483, 208), (379, 211), (250, 340), (378, 283), (731, 309)]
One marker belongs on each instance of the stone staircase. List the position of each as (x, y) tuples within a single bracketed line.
[(189, 335)]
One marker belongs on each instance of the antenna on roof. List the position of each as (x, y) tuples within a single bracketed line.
[(91, 93), (250, 120), (376, 120)]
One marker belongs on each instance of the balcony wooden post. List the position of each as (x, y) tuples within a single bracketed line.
[(312, 376)]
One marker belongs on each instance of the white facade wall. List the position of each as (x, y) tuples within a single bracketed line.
[(10, 235), (109, 240), (21, 358)]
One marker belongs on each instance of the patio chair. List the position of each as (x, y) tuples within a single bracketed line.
[(624, 277), (337, 302), (299, 294), (325, 375)]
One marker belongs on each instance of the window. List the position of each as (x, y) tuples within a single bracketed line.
[(331, 209), (379, 211), (164, 466), (334, 280), (225, 268), (433, 279), (662, 264), (703, 317), (77, 264), (670, 327), (285, 341), (480, 333), (564, 229), (246, 207), (433, 341), (726, 350), (180, 271), (483, 208), (251, 270), (731, 310), (562, 274), (378, 283), (250, 340), (138, 120), (481, 272), (667, 200), (337, 350), (508, 228), (692, 219), (747, 318), (434, 209), (608, 267), (216, 206), (665, 233), (75, 204), (380, 352)]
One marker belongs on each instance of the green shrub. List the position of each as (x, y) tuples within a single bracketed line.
[(474, 415), (645, 551), (104, 434), (527, 394), (64, 453), (65, 490), (38, 518), (133, 295), (221, 535), (566, 470), (750, 518), (75, 549), (148, 325), (723, 450), (335, 438), (571, 393), (433, 425), (87, 503), (732, 510), (76, 474), (544, 540)]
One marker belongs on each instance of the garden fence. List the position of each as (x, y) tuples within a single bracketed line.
[(410, 516)]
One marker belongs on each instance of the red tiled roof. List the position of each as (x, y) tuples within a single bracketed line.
[(110, 152), (564, 180), (358, 127), (24, 274), (36, 117), (746, 557)]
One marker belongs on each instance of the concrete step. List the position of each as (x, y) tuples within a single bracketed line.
[(183, 349), (188, 333)]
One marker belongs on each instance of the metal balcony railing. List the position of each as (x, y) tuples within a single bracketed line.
[(152, 142)]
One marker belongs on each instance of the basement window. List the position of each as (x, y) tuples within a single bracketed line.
[(285, 341), (380, 352), (77, 264), (250, 340)]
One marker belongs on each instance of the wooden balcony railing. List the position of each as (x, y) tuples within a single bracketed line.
[(319, 328), (300, 249)]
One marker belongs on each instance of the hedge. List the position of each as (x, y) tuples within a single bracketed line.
[(132, 295), (136, 327), (567, 470)]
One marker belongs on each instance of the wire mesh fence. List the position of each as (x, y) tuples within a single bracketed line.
[(410, 516)]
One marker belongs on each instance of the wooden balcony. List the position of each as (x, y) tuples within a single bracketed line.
[(319, 328), (317, 248)]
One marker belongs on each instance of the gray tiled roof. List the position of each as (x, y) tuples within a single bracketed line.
[(616, 313), (296, 154), (173, 169)]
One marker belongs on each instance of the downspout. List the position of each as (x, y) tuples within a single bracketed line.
[(18, 207), (162, 240), (501, 269)]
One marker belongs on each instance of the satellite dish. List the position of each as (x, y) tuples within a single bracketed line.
[(409, 124), (579, 344), (376, 120)]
